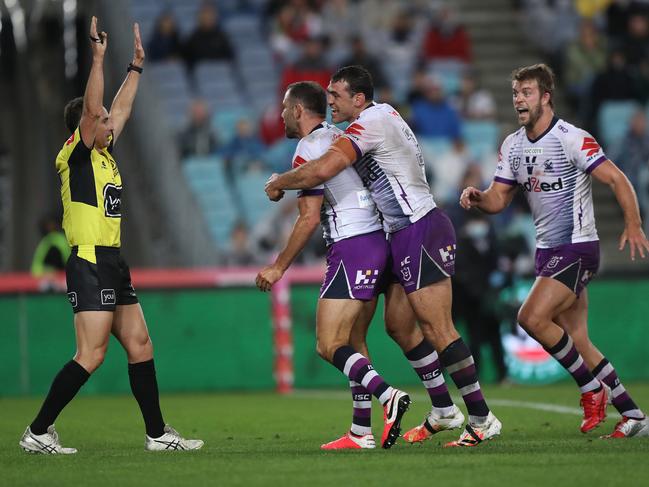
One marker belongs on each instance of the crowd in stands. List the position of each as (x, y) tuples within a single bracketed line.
[(420, 56), (601, 50)]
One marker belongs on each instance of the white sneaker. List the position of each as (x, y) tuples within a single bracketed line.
[(434, 423), (47, 443), (475, 434), (171, 440), (630, 427)]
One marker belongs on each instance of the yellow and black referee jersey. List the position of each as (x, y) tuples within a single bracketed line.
[(91, 191)]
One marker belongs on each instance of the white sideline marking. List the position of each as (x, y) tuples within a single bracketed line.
[(538, 406)]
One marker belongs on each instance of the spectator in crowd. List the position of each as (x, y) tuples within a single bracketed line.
[(294, 23), (52, 251), (584, 58), (636, 42), (402, 41), (433, 115), (239, 253), (208, 41), (359, 55), (446, 39), (340, 24), (244, 152), (633, 158), (616, 82), (474, 297), (474, 102), (164, 43), (311, 65), (198, 138)]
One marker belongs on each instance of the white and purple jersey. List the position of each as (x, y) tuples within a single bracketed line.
[(390, 164), (554, 173), (348, 209)]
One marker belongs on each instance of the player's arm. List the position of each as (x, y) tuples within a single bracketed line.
[(120, 110), (494, 199), (306, 223), (609, 174), (93, 97), (339, 156)]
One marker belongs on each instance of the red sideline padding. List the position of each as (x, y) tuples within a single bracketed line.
[(206, 277)]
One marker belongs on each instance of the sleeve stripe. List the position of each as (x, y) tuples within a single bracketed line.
[(310, 192), (499, 179), (359, 154), (594, 165)]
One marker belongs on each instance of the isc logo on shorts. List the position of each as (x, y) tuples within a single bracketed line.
[(107, 296), (72, 297)]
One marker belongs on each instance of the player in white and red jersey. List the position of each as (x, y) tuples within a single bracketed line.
[(385, 153), (357, 256), (552, 161), (356, 259)]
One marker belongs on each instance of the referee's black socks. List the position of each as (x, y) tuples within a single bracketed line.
[(145, 389), (64, 387)]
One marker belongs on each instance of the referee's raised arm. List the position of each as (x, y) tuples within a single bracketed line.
[(120, 110), (93, 97)]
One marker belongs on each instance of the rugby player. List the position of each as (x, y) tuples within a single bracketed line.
[(98, 279), (387, 157), (552, 162), (357, 257)]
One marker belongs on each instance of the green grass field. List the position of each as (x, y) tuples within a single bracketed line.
[(266, 439)]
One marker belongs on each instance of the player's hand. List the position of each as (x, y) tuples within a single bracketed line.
[(637, 241), (98, 41), (268, 276), (470, 198), (273, 193), (138, 50)]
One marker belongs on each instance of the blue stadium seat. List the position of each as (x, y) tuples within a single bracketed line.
[(433, 147), (255, 203), (279, 156), (613, 122), (224, 121), (214, 195), (481, 137)]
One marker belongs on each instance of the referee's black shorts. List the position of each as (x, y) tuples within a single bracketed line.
[(100, 286)]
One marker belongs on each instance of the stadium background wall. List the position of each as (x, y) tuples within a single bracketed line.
[(221, 339)]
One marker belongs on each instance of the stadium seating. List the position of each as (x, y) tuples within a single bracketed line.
[(481, 137), (613, 122), (214, 195)]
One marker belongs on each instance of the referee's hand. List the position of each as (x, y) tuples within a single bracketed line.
[(98, 42), (138, 50)]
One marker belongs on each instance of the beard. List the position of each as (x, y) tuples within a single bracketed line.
[(534, 116)]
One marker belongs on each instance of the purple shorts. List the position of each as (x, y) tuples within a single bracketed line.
[(424, 252), (355, 267), (572, 264)]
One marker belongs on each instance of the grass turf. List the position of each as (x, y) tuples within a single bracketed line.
[(265, 439)]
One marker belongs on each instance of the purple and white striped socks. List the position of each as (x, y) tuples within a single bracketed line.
[(458, 362), (621, 399), (362, 415), (566, 354), (358, 368), (425, 361)]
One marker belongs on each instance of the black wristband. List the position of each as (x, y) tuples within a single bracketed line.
[(133, 67)]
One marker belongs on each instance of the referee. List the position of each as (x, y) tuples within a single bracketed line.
[(98, 279)]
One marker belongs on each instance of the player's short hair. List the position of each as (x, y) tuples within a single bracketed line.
[(311, 95), (358, 78), (72, 113), (543, 75)]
